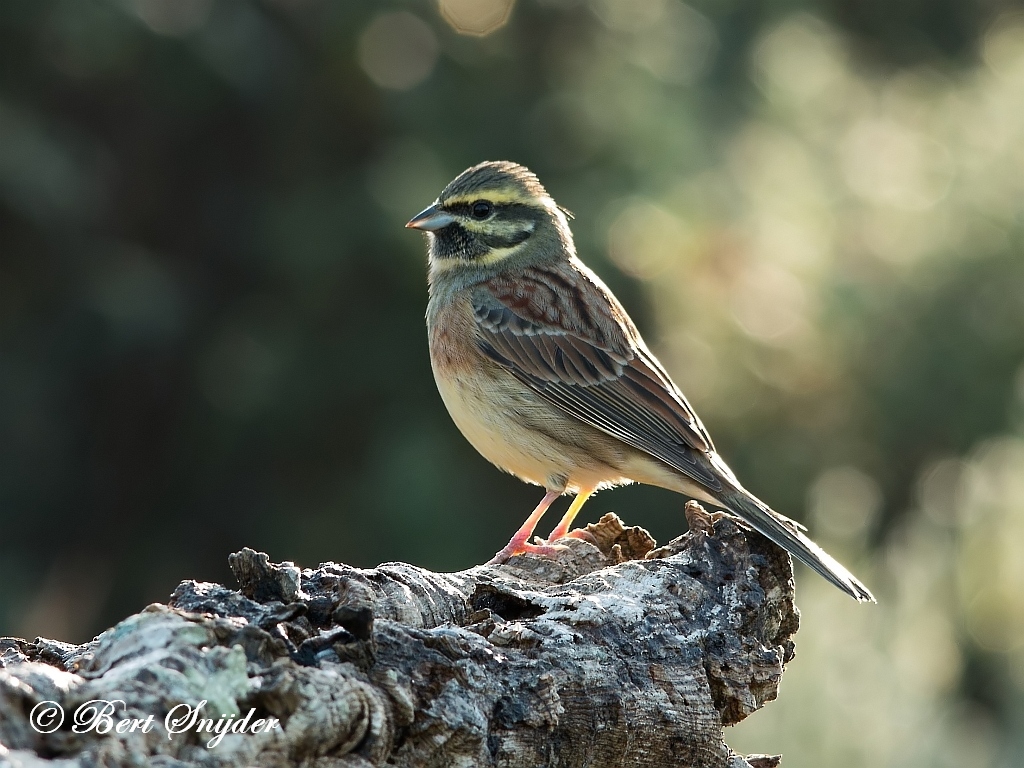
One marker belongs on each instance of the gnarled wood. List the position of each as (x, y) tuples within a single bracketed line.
[(612, 654)]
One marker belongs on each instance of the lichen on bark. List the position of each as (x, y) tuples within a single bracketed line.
[(613, 653)]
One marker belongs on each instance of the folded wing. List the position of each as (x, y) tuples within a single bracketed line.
[(561, 333)]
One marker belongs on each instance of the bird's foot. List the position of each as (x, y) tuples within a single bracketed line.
[(578, 533), (513, 548)]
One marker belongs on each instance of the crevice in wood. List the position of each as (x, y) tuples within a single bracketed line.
[(614, 653)]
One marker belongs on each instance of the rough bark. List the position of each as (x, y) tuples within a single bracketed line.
[(612, 654)]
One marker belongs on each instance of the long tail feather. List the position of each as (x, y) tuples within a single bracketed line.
[(766, 521)]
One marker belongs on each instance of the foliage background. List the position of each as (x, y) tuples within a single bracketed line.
[(211, 327)]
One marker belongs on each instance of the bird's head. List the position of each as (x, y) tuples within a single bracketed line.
[(491, 217)]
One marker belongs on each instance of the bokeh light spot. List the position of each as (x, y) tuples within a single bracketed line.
[(172, 17), (137, 296), (1003, 48), (671, 40), (995, 618), (476, 17), (398, 50), (844, 502), (800, 59), (888, 164), (645, 239), (990, 569), (628, 16), (769, 303), (937, 490)]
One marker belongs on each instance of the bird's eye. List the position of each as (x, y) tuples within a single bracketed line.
[(482, 209)]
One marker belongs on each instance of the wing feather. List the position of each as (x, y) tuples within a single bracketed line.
[(576, 348)]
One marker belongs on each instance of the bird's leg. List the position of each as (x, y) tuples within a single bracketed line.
[(562, 529), (520, 543)]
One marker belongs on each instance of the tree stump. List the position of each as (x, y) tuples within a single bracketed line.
[(614, 653)]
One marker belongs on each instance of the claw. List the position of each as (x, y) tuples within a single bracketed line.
[(523, 548), (579, 533), (520, 543)]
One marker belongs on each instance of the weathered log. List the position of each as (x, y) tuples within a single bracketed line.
[(614, 653)]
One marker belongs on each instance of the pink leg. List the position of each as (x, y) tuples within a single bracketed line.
[(520, 542)]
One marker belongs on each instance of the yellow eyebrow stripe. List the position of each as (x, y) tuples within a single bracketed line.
[(496, 196), (488, 227)]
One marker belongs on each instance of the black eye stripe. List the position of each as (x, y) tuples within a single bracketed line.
[(508, 211), (460, 209), (506, 240)]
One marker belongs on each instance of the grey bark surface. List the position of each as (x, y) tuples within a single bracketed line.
[(614, 653)]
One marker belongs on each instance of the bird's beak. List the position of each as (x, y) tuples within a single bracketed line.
[(430, 219)]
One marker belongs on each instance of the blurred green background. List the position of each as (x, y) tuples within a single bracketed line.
[(211, 318)]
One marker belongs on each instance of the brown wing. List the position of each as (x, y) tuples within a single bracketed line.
[(559, 330)]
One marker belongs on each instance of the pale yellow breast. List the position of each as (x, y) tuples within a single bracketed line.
[(510, 425), (495, 432)]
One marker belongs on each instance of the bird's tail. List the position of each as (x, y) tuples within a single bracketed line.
[(787, 535)]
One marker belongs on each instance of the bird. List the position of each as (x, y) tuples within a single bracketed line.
[(546, 375)]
